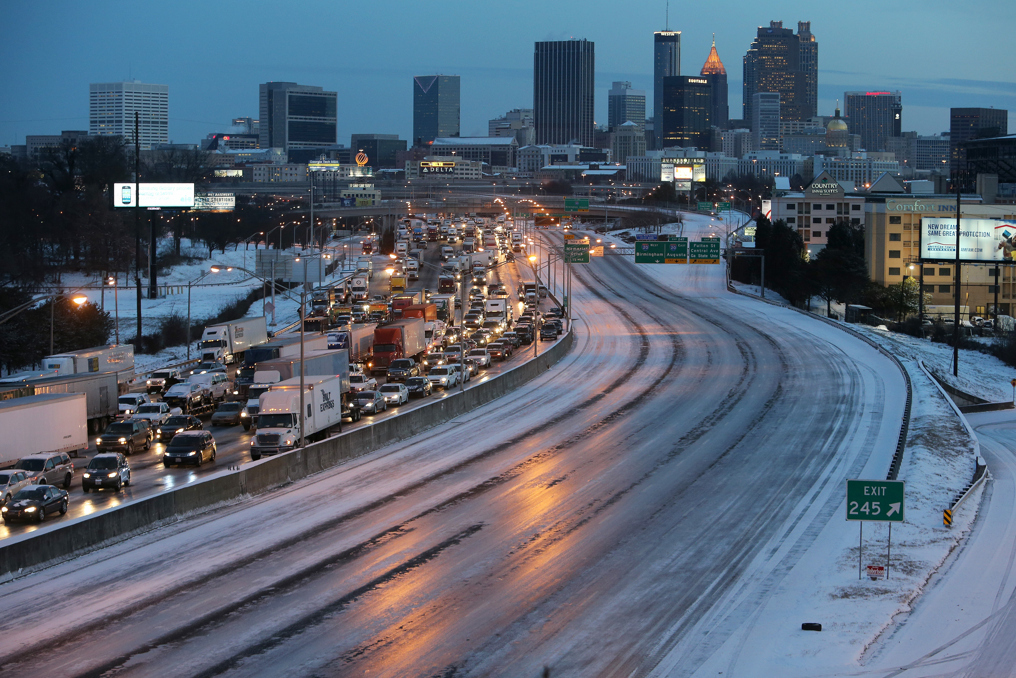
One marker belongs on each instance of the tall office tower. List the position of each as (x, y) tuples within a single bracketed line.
[(809, 69), (773, 64), (687, 111), (435, 108), (766, 110), (716, 74), (973, 123), (666, 62), (298, 118), (874, 116), (563, 74), (111, 108), (625, 104)]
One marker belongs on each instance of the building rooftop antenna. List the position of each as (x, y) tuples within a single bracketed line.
[(668, 15)]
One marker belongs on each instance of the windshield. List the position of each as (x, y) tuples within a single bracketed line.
[(230, 407), (255, 393), (357, 379), (30, 493), (129, 400), (363, 395), (390, 388), (277, 420), (119, 428), (212, 343), (415, 381), (5, 478), (177, 421), (161, 375), (401, 364), (102, 463), (149, 408), (246, 373), (440, 371), (384, 348), (478, 352), (184, 442), (32, 464)]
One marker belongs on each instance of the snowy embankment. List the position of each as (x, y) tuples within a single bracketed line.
[(824, 586)]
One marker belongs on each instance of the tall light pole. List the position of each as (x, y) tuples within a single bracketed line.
[(214, 269), (303, 325), (116, 304)]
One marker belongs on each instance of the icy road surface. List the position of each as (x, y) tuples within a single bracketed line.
[(619, 509)]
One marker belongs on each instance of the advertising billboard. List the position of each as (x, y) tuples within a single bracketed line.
[(154, 195), (982, 240)]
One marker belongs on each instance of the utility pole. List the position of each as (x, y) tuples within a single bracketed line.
[(956, 296), (137, 223)]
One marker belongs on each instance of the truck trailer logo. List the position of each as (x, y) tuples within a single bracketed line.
[(327, 403)]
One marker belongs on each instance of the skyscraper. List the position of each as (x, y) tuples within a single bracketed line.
[(298, 118), (687, 112), (773, 64), (563, 73), (666, 62), (111, 108), (435, 107), (716, 74), (766, 111), (625, 104), (874, 116), (973, 123), (809, 69)]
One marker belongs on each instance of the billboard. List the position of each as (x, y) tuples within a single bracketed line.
[(214, 202), (154, 195), (982, 240)]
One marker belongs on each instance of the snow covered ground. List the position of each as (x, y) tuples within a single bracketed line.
[(823, 586)]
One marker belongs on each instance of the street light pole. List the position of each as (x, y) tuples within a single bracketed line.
[(116, 304)]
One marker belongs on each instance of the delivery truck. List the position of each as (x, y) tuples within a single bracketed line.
[(225, 343), (317, 363), (401, 339), (426, 311), (360, 288), (445, 304), (282, 346), (279, 413), (358, 340), (112, 358), (101, 391), (42, 424)]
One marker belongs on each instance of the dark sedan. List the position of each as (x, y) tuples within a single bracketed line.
[(419, 387), (190, 447), (34, 502), (179, 423)]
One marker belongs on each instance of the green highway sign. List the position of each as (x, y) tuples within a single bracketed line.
[(551, 214), (724, 206), (880, 500), (576, 252), (576, 204), (705, 206), (705, 252), (674, 251)]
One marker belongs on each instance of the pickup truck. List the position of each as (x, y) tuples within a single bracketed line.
[(187, 396), (155, 413)]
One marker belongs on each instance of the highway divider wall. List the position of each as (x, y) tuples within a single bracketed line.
[(86, 532)]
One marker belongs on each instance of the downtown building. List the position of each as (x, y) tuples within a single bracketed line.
[(298, 118), (875, 117), (563, 91), (666, 64), (773, 64), (112, 107), (687, 112), (517, 123), (436, 107), (716, 74), (966, 124), (625, 104)]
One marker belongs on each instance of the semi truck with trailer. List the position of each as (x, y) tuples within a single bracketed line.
[(42, 423), (226, 342), (279, 413), (401, 339), (316, 363), (101, 391), (117, 358), (358, 340), (282, 346)]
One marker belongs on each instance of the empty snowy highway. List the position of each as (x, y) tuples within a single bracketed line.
[(610, 518)]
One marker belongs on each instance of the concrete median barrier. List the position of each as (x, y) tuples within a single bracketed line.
[(88, 532)]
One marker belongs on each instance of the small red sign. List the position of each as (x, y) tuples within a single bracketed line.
[(876, 571)]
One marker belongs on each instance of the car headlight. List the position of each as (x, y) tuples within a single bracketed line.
[(244, 413), (148, 382), (98, 441), (30, 509), (123, 441), (127, 412), (4, 509), (191, 453), (111, 475), (88, 475)]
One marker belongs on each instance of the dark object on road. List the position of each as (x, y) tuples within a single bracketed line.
[(811, 626)]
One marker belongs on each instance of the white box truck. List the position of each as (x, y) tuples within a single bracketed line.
[(359, 288), (226, 343), (279, 413), (40, 424), (112, 358)]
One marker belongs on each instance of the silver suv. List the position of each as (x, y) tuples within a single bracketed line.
[(48, 469)]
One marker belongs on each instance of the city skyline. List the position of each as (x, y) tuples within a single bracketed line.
[(215, 80)]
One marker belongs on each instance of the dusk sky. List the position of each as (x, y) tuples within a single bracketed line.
[(213, 55)]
